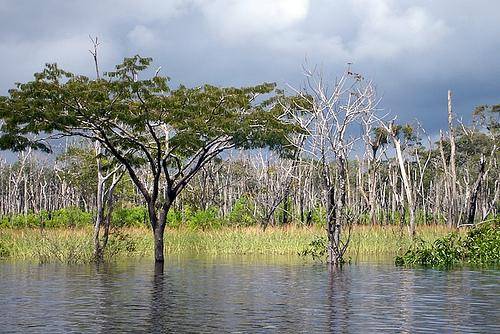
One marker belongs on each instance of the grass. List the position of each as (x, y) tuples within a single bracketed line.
[(75, 245)]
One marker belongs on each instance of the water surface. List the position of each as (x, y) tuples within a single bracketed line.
[(246, 295)]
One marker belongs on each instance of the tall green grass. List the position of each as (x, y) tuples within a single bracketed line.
[(75, 245)]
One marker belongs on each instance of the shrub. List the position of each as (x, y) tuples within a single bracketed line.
[(130, 217), (67, 217), (316, 249), (70, 217), (205, 219), (483, 244), (241, 213), (480, 246), (174, 218), (319, 216)]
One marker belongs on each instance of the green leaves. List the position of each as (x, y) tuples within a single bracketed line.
[(136, 116), (480, 246)]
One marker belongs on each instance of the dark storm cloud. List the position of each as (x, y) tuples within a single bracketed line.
[(413, 50)]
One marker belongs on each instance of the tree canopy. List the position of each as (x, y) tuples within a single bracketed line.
[(140, 121)]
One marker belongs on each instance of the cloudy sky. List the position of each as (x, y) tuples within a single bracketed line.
[(413, 50)]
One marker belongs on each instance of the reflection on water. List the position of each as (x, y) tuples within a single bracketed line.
[(245, 295)]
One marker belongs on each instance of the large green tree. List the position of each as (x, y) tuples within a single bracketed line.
[(144, 124)]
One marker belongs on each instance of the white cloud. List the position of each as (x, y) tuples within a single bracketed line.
[(142, 36), (145, 10), (387, 30), (375, 29), (233, 19)]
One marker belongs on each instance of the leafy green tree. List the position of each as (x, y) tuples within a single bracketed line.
[(143, 124)]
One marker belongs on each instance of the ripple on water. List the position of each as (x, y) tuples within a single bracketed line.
[(246, 295)]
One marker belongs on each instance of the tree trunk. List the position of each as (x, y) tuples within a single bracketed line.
[(453, 208), (100, 204), (285, 209), (158, 223), (331, 226), (158, 236), (407, 188), (109, 215), (475, 192)]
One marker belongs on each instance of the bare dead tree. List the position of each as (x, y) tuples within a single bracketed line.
[(327, 112), (452, 208), (394, 133)]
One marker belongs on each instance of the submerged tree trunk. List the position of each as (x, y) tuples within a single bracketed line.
[(158, 224), (158, 233), (337, 216), (99, 213), (331, 226), (104, 203)]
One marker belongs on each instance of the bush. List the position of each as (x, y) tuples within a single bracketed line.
[(130, 217), (67, 217), (205, 219), (319, 216), (241, 213), (316, 249), (480, 246), (174, 218), (483, 244)]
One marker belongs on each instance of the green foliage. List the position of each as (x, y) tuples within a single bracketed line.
[(488, 116), (319, 216), (241, 213), (480, 246), (130, 217), (444, 252), (57, 101), (72, 217), (174, 218), (205, 219), (483, 244), (67, 217), (315, 249), (20, 221), (194, 219)]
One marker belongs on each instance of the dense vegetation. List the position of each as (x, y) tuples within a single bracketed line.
[(480, 246)]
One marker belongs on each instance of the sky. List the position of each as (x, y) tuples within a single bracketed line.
[(414, 51)]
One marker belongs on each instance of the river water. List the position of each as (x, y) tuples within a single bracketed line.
[(246, 295)]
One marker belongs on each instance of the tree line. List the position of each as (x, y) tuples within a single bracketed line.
[(322, 153)]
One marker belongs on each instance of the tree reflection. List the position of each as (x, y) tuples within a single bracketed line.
[(338, 295)]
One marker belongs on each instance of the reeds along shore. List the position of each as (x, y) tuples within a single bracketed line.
[(76, 246)]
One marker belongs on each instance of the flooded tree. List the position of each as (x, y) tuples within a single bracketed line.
[(327, 111), (143, 124)]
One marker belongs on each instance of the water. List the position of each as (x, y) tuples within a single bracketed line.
[(239, 294)]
